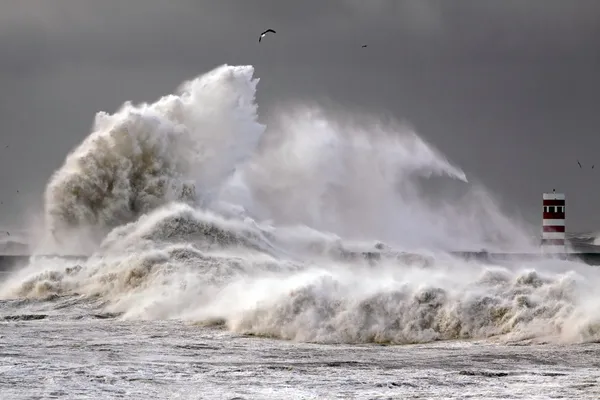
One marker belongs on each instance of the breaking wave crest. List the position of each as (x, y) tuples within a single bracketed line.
[(180, 148), (314, 227)]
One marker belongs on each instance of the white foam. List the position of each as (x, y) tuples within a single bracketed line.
[(270, 249)]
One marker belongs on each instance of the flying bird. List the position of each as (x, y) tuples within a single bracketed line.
[(263, 34), (364, 45), (579, 164)]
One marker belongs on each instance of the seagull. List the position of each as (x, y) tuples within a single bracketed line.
[(262, 35)]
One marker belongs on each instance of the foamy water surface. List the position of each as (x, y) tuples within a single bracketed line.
[(108, 359)]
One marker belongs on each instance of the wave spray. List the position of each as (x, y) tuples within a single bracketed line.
[(190, 208)]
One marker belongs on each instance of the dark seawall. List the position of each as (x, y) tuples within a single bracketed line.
[(587, 258)]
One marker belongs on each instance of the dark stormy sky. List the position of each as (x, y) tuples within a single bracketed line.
[(509, 90)]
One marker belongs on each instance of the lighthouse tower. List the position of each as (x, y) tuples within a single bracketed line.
[(553, 223)]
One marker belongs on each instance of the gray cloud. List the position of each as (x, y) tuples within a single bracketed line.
[(507, 89)]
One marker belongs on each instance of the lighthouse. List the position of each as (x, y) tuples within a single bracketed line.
[(553, 223)]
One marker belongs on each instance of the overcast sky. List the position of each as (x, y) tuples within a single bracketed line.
[(509, 90)]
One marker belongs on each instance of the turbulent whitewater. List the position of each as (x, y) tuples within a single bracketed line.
[(190, 208)]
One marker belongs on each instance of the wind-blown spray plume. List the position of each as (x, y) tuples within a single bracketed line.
[(361, 181), (276, 248)]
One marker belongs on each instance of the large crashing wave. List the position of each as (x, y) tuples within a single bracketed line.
[(199, 219), (354, 178), (180, 262), (180, 148)]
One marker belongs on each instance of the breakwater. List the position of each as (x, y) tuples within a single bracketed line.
[(587, 258)]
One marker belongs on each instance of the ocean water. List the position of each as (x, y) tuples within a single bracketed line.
[(225, 259), (93, 358)]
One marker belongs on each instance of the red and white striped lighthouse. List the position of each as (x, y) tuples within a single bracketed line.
[(553, 223)]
